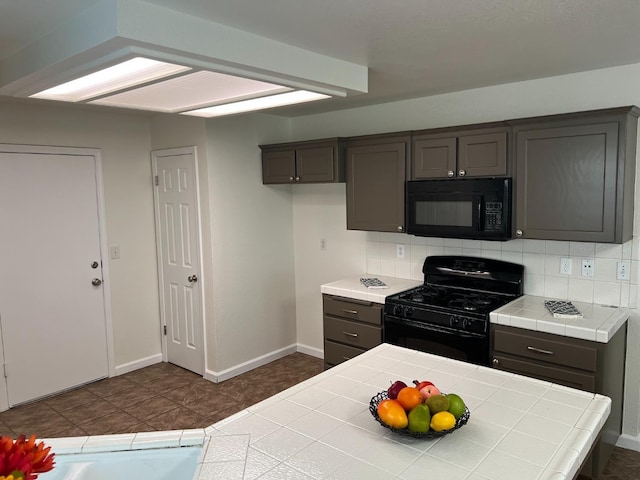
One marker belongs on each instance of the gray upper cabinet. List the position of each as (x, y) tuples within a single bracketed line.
[(318, 161), (575, 176), (472, 151), (376, 173)]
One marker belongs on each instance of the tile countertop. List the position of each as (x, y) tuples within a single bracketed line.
[(322, 428), (352, 288), (599, 322)]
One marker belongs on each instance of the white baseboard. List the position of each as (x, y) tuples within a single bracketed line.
[(630, 442), (223, 375), (313, 351), (141, 363)]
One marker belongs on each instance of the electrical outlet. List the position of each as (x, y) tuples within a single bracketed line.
[(323, 244), (587, 267), (399, 251), (623, 270), (565, 266)]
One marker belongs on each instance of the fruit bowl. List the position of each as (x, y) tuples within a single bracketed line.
[(373, 408)]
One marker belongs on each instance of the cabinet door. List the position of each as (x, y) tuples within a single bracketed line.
[(315, 165), (433, 158), (278, 167), (375, 187), (482, 155), (566, 182)]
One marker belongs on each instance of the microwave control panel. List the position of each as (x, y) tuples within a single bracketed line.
[(493, 216)]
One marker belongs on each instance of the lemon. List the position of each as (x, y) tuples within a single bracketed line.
[(442, 421)]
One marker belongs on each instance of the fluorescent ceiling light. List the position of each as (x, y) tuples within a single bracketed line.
[(126, 74), (299, 96), (190, 91)]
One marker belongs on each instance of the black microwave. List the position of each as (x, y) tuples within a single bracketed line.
[(476, 208)]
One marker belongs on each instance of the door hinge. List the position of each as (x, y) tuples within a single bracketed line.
[(164, 329), (156, 180)]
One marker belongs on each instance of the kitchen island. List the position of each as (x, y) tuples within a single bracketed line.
[(520, 428)]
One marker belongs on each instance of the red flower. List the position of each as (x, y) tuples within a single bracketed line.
[(25, 456)]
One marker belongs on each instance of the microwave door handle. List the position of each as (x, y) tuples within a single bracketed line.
[(479, 212)]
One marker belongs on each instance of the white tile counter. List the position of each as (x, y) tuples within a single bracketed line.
[(352, 288), (322, 428), (599, 322), (520, 428)]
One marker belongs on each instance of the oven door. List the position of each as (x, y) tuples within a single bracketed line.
[(443, 341)]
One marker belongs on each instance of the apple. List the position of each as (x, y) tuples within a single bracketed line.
[(429, 391), (395, 387), (422, 384)]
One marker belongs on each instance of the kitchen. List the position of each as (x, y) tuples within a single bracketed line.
[(287, 260)]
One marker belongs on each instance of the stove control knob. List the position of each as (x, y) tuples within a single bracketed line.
[(454, 321), (466, 323), (408, 311), (397, 310)]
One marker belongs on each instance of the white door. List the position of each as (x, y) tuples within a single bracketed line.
[(179, 265), (52, 308)]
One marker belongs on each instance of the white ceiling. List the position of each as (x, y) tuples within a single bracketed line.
[(412, 48)]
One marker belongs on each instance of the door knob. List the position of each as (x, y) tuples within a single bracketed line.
[(450, 173), (96, 282), (192, 278), (462, 173)]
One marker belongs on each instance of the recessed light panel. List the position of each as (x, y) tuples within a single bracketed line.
[(126, 74), (191, 91), (290, 98)]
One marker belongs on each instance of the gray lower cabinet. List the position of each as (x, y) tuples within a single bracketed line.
[(575, 176), (480, 151), (317, 161), (350, 328), (376, 173), (591, 366)]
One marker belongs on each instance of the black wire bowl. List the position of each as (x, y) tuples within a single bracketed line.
[(373, 408)]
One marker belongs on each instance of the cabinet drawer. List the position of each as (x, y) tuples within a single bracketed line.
[(547, 348), (335, 353), (352, 309), (352, 333), (549, 373)]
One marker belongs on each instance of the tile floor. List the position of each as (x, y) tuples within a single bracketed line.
[(166, 397)]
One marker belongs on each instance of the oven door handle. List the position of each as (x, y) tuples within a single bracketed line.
[(430, 327)]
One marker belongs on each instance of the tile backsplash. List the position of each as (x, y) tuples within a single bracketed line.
[(541, 259)]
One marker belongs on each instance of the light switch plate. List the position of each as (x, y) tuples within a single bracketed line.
[(622, 272)]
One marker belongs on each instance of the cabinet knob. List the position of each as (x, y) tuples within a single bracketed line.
[(496, 362), (400, 228), (450, 173), (291, 179), (297, 179), (519, 233), (462, 173)]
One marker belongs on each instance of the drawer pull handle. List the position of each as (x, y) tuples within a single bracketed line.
[(353, 312), (350, 334), (346, 358), (539, 350)]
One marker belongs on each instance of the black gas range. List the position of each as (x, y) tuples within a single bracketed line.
[(449, 314)]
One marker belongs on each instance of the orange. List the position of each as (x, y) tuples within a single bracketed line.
[(392, 413), (409, 397)]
